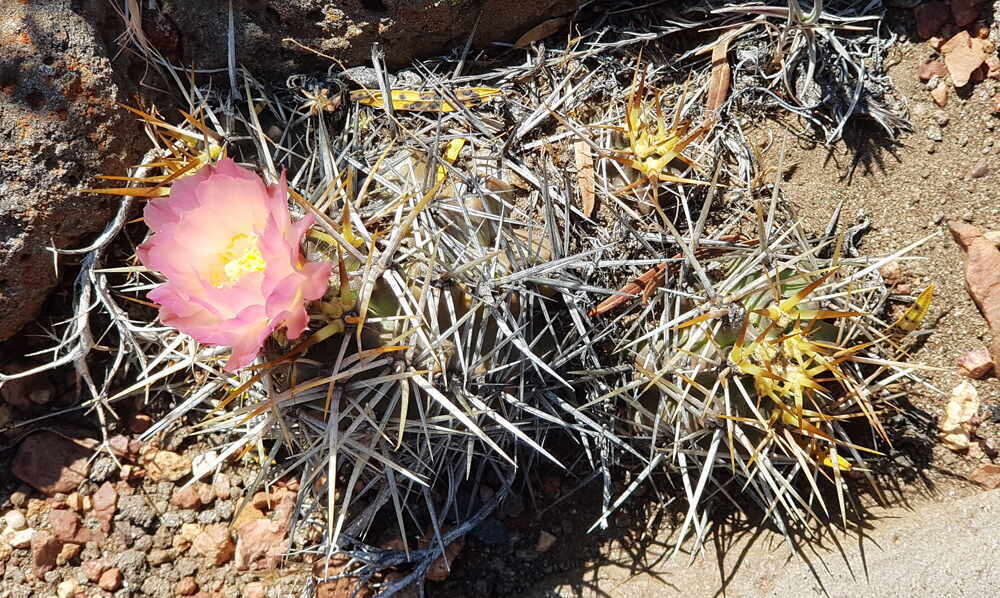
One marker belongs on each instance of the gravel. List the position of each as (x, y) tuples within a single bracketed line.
[(134, 508), (157, 587), (133, 566)]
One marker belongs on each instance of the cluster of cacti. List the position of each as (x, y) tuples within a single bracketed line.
[(472, 309)]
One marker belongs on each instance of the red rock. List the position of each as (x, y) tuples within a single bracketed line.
[(940, 94), (440, 569), (339, 588), (982, 279), (222, 487), (205, 493), (110, 580), (963, 57), (44, 553), (285, 507), (186, 498), (66, 527), (930, 18), (105, 504), (93, 569), (187, 586), (254, 589), (290, 484), (260, 544), (51, 463), (135, 446), (976, 363), (215, 544), (987, 476), (932, 68), (246, 515), (139, 423), (964, 234), (993, 67), (345, 586), (965, 12), (261, 500), (119, 445), (323, 568)]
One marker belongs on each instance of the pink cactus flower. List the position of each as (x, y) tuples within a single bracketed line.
[(230, 252)]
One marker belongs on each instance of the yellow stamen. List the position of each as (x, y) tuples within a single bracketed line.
[(240, 257)]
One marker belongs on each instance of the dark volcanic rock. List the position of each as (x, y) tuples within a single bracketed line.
[(345, 29), (59, 126)]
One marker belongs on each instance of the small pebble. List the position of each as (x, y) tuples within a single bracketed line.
[(933, 133), (186, 498), (187, 587), (939, 92), (15, 520), (979, 170), (255, 589), (203, 464), (941, 118), (545, 542), (67, 588), (75, 502), (221, 486), (19, 498), (110, 580), (158, 556), (67, 553), (93, 569), (21, 538)]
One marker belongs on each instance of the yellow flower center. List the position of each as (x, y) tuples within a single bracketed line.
[(240, 257)]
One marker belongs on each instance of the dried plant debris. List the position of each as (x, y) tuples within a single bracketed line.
[(556, 241)]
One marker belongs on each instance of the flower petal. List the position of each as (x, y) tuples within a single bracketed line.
[(231, 255)]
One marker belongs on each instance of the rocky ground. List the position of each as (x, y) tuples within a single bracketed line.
[(132, 523)]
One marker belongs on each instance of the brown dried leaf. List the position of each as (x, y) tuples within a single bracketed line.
[(540, 31), (585, 175), (718, 84)]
